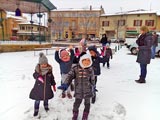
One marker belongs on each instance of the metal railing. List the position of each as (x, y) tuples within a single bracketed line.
[(22, 42)]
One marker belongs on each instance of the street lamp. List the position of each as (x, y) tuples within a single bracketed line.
[(44, 27)]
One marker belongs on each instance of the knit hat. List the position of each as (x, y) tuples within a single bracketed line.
[(93, 47), (84, 56), (64, 55), (42, 58), (107, 45)]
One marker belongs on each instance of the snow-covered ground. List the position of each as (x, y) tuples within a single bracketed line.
[(118, 97)]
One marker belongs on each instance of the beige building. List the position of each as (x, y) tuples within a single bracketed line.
[(28, 31), (127, 24), (75, 23)]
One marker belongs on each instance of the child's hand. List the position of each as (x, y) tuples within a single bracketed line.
[(40, 79), (54, 88)]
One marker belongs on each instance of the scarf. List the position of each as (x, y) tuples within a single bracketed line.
[(43, 71), (140, 40)]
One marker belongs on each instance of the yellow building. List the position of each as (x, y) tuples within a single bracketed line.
[(75, 23), (3, 15), (17, 28), (127, 24), (158, 22), (9, 26)]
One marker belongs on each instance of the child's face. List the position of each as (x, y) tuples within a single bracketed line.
[(86, 62), (92, 53), (43, 65), (66, 58)]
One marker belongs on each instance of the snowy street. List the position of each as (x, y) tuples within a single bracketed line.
[(119, 97)]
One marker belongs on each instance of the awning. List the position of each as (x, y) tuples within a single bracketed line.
[(132, 32), (27, 6)]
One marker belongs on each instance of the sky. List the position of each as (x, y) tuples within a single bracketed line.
[(119, 97), (110, 6)]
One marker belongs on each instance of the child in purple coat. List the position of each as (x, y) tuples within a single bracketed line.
[(44, 80)]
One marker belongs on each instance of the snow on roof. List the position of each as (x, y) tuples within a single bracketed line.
[(16, 17), (28, 23), (158, 13), (139, 11), (77, 9)]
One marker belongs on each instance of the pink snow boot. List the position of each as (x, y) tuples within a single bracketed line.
[(75, 115), (85, 116)]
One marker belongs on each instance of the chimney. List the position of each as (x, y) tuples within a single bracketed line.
[(90, 7)]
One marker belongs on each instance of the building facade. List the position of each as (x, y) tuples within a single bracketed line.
[(31, 32), (127, 24), (75, 23)]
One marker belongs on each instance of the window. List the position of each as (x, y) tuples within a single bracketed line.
[(138, 15), (149, 22), (22, 28), (137, 23), (105, 23), (121, 22)]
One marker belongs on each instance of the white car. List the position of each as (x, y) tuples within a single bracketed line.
[(133, 48)]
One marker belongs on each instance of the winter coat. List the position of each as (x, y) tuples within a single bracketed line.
[(83, 81), (155, 40), (104, 40), (42, 91), (144, 46), (106, 53), (64, 66), (96, 64), (96, 60)]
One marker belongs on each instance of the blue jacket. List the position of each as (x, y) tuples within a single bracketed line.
[(65, 67)]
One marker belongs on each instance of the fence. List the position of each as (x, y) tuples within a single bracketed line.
[(22, 42)]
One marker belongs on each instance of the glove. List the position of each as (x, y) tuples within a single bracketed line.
[(94, 89), (54, 88), (40, 79), (63, 87)]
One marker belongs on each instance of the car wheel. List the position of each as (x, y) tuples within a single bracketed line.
[(134, 51)]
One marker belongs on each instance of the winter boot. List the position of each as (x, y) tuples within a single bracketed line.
[(141, 80), (46, 108), (69, 95), (94, 98), (85, 116), (75, 115), (35, 112), (63, 95)]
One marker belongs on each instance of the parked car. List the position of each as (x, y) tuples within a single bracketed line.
[(133, 48), (129, 41)]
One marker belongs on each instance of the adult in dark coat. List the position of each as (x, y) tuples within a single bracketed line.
[(104, 40), (144, 43), (44, 79)]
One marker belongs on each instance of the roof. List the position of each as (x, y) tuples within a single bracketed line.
[(27, 6), (140, 11), (77, 9)]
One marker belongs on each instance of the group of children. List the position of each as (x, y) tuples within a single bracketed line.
[(82, 68)]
